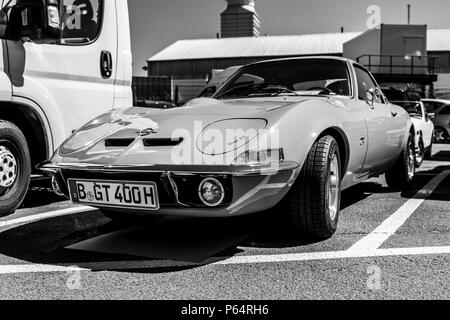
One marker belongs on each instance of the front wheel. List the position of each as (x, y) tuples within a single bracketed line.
[(15, 168), (420, 153), (313, 202), (402, 173)]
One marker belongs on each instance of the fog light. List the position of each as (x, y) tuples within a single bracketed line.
[(211, 192), (56, 188)]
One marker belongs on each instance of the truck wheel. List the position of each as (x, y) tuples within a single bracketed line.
[(314, 201), (420, 153), (15, 168), (402, 173)]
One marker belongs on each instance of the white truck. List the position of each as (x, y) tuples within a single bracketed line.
[(62, 63)]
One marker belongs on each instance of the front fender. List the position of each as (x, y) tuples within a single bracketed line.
[(301, 126)]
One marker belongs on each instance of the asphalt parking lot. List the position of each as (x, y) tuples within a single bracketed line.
[(389, 245)]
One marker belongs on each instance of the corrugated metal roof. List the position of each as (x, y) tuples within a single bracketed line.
[(308, 44)]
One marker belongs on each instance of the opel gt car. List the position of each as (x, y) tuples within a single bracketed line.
[(287, 134), (424, 129)]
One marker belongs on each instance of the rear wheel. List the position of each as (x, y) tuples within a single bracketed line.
[(313, 202), (402, 173), (15, 168), (440, 135)]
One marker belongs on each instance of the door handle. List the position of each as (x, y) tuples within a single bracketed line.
[(106, 64)]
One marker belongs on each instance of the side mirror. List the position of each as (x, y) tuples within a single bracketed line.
[(431, 116), (372, 94), (37, 20)]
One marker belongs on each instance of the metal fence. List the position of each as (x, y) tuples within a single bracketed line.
[(152, 88)]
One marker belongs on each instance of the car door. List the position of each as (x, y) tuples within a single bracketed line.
[(72, 80), (384, 131)]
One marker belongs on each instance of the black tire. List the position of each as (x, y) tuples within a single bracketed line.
[(400, 176), (307, 202), (13, 144), (420, 153), (429, 151)]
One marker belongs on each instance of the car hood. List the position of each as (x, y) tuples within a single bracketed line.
[(116, 138)]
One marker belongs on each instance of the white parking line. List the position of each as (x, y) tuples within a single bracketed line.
[(388, 228), (42, 216), (238, 260)]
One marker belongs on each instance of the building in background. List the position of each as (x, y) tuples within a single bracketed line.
[(400, 55), (396, 55)]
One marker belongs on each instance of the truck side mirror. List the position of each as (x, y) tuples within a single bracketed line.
[(37, 20)]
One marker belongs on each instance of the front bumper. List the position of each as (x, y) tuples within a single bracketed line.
[(249, 189)]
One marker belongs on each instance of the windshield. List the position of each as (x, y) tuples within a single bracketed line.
[(413, 108), (288, 77)]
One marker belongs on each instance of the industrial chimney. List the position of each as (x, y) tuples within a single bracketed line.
[(240, 19)]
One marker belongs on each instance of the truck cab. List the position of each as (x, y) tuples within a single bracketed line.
[(62, 63)]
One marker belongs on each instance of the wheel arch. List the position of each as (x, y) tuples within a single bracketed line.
[(344, 146), (33, 127)]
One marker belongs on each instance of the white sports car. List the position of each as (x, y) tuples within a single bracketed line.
[(424, 128)]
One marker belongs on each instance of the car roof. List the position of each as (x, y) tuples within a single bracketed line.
[(336, 58), (437, 100)]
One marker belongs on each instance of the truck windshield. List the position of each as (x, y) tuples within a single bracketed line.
[(288, 77)]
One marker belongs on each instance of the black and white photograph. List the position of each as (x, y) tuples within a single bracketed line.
[(224, 154)]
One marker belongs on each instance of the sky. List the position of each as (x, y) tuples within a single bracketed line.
[(155, 24)]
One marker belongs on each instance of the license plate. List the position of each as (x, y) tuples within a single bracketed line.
[(115, 194)]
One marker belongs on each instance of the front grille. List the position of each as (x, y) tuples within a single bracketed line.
[(162, 142), (118, 142)]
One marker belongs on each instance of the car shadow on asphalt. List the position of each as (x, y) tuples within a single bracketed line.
[(441, 156), (40, 198), (96, 239)]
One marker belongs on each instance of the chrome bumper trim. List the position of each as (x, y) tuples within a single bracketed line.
[(173, 169)]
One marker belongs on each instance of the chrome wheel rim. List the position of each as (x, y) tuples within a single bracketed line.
[(333, 188), (420, 153), (411, 162), (439, 135), (8, 168)]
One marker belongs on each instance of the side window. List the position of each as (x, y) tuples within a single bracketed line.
[(446, 110), (431, 106), (365, 82), (81, 20)]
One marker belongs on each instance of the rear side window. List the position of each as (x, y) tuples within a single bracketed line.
[(446, 110), (81, 20), (431, 106), (365, 82)]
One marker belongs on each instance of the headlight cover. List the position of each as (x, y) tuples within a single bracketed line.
[(89, 133), (225, 136)]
